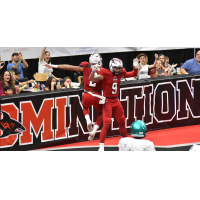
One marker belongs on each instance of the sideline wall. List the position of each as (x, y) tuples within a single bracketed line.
[(52, 118)]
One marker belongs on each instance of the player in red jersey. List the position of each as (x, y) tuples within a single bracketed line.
[(110, 79), (92, 90)]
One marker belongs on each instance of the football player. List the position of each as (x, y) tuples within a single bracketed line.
[(137, 143), (92, 90), (195, 147), (110, 79)]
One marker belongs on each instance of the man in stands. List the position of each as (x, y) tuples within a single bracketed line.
[(18, 63), (111, 79), (92, 90), (17, 76), (192, 66), (138, 131)]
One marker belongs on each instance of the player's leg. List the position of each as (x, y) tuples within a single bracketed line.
[(86, 102), (118, 113), (99, 120), (107, 114)]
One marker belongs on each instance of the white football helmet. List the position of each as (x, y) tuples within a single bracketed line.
[(96, 59), (116, 62)]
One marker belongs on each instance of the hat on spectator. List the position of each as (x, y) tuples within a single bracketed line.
[(142, 54)]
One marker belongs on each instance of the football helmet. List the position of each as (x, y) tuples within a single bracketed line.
[(195, 147), (138, 129), (96, 59), (116, 62)]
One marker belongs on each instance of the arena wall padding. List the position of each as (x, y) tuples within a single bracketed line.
[(55, 117)]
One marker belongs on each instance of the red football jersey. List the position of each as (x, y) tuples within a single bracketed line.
[(111, 83), (89, 85)]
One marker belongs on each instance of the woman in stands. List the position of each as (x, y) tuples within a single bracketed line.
[(45, 58), (17, 87), (171, 68), (51, 84), (67, 82), (6, 80), (160, 70), (166, 69), (143, 66)]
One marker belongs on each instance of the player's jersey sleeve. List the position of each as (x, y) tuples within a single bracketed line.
[(101, 72), (130, 74), (84, 65)]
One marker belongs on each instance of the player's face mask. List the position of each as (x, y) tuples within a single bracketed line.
[(117, 70)]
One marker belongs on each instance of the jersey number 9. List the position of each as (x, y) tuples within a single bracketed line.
[(114, 87)]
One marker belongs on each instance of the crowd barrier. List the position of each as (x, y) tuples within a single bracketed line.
[(52, 118)]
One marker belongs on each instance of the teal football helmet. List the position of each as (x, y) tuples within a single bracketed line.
[(138, 129)]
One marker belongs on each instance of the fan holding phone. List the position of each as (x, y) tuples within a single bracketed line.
[(1, 64)]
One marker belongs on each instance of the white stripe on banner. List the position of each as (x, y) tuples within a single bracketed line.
[(35, 52)]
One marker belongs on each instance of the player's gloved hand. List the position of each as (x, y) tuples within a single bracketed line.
[(50, 66), (95, 68)]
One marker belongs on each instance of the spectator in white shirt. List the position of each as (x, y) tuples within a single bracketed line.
[(45, 58)]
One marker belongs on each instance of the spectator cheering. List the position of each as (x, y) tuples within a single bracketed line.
[(171, 68), (45, 58), (161, 57), (6, 80), (143, 66), (159, 71), (192, 66), (1, 63), (18, 63)]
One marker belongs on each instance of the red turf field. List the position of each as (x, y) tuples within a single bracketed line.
[(160, 138)]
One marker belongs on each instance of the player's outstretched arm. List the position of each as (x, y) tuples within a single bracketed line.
[(65, 67), (71, 68), (92, 77), (134, 73)]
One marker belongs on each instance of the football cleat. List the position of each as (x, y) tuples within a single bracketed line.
[(91, 138), (89, 127)]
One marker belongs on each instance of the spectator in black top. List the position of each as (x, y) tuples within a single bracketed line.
[(17, 75)]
